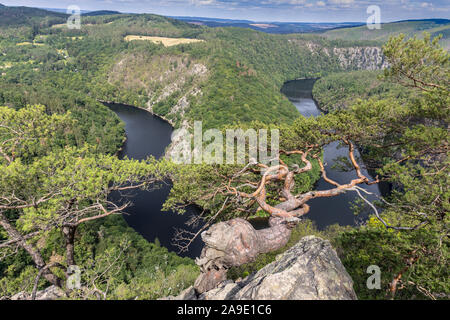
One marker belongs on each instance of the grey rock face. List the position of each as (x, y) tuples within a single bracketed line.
[(310, 270), (361, 58), (49, 293)]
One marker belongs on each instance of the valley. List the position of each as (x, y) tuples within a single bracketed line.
[(86, 117)]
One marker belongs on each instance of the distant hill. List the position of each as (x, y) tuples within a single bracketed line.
[(59, 10), (101, 13), (14, 16), (268, 27), (408, 27), (86, 12)]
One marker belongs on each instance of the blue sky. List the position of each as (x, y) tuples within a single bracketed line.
[(264, 10)]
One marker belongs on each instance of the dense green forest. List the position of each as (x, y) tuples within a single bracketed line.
[(222, 79), (58, 146), (340, 90)]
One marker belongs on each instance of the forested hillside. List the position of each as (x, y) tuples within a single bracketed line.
[(24, 16), (222, 76), (340, 90)]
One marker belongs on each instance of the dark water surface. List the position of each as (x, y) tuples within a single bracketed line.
[(150, 135), (328, 211)]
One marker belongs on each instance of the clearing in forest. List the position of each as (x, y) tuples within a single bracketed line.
[(167, 42)]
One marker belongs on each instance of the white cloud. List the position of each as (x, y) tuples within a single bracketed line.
[(345, 2), (296, 2), (320, 4), (202, 2), (280, 2)]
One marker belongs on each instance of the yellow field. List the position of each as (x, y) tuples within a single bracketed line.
[(167, 42), (29, 44), (62, 25)]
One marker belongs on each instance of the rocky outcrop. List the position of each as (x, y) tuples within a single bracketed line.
[(49, 293), (361, 58), (349, 58), (310, 270), (161, 79)]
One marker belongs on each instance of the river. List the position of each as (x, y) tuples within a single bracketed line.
[(150, 135), (328, 211)]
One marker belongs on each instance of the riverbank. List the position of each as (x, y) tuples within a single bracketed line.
[(149, 110), (150, 135), (146, 109)]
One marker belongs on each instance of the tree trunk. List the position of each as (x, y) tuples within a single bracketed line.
[(236, 242), (34, 253), (69, 235)]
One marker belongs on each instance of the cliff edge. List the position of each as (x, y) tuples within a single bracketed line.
[(310, 270)]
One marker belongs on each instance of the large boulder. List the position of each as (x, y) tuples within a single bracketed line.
[(310, 270)]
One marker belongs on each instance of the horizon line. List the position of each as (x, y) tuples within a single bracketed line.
[(236, 19)]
